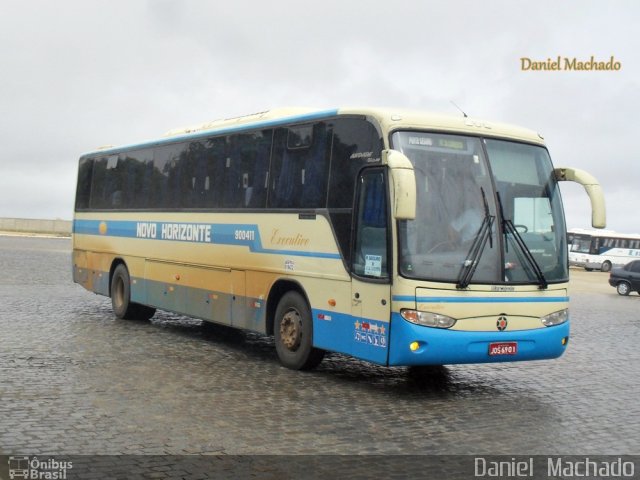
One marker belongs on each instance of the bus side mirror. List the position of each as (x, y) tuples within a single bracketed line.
[(593, 189), (404, 184)]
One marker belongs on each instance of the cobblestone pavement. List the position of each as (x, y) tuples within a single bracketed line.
[(75, 380)]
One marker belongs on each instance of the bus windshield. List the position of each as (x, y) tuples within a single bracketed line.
[(465, 182), (581, 244)]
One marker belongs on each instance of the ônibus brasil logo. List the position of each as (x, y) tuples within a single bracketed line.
[(33, 468)]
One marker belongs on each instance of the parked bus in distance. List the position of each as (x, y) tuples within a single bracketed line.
[(396, 237), (602, 250)]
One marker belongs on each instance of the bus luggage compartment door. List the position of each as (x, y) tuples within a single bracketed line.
[(207, 292)]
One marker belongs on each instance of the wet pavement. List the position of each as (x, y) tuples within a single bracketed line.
[(75, 380)]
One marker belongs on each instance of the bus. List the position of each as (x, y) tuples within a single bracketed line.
[(18, 467), (400, 238), (603, 250)]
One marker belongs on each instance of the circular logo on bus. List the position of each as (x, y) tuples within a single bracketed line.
[(102, 228), (502, 323)]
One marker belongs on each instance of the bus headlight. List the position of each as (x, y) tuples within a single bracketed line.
[(427, 319), (555, 318)]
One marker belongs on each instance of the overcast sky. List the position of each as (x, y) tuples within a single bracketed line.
[(77, 74)]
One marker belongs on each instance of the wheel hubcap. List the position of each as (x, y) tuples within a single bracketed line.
[(291, 330)]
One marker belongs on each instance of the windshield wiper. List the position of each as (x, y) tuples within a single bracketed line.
[(509, 228), (477, 247)]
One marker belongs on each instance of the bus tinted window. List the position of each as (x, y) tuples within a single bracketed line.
[(140, 171), (300, 167), (219, 172), (83, 190), (256, 152), (167, 160), (199, 185), (356, 143), (247, 170), (109, 182), (236, 171)]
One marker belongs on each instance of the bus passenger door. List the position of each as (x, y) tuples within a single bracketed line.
[(371, 287)]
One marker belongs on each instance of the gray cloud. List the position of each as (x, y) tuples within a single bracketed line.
[(79, 74)]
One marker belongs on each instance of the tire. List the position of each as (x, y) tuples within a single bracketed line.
[(426, 372), (142, 312), (623, 288), (121, 302), (293, 331), (606, 266)]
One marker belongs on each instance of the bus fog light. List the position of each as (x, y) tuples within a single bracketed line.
[(413, 346), (428, 319), (555, 318)]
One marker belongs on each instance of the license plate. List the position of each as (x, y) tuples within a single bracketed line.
[(503, 348)]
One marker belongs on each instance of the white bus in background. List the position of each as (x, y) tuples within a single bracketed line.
[(601, 250)]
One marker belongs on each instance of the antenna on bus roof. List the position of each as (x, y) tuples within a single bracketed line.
[(454, 104)]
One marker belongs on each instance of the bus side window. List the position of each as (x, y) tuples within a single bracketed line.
[(83, 190), (355, 144), (232, 176), (199, 184), (114, 179), (316, 170), (216, 154), (300, 167), (167, 186), (370, 256), (282, 172), (256, 197)]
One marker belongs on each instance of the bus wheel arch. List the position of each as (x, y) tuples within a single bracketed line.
[(120, 293), (290, 321), (277, 291), (116, 262)]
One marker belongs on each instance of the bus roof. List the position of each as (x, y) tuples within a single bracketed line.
[(389, 119), (394, 119), (603, 233)]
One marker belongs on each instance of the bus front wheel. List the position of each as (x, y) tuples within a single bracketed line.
[(293, 332), (121, 302)]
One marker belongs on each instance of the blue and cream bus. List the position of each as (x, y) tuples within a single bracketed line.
[(402, 238)]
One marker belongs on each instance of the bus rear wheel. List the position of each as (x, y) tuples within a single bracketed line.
[(121, 302), (606, 266), (293, 332)]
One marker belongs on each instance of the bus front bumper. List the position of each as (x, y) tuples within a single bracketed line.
[(411, 344)]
